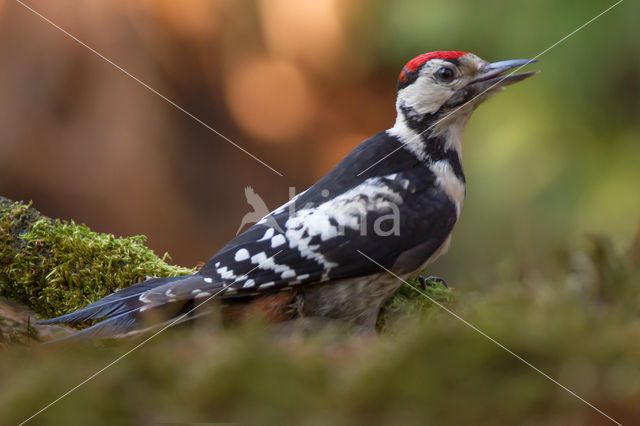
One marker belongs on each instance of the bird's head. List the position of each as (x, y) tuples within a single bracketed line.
[(437, 89)]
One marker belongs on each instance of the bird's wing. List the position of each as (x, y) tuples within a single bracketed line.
[(396, 220)]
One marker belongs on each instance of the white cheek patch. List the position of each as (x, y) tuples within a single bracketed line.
[(427, 94), (424, 95)]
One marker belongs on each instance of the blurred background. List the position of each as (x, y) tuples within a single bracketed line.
[(299, 84), (542, 259)]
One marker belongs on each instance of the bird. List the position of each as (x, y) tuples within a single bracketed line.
[(334, 252)]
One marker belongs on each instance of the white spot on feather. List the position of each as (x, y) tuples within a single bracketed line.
[(278, 240), (267, 235), (242, 254), (267, 263), (288, 274), (226, 273), (259, 257)]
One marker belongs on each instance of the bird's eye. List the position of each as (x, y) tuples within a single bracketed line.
[(445, 74)]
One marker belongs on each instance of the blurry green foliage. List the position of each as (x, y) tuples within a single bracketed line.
[(580, 326)]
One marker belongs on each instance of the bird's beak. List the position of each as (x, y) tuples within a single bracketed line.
[(490, 76)]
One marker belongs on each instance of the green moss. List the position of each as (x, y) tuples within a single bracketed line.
[(413, 301), (55, 267)]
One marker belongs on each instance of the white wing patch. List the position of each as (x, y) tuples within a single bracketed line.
[(330, 219), (307, 228), (267, 263)]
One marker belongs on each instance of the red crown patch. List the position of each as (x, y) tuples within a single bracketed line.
[(419, 60)]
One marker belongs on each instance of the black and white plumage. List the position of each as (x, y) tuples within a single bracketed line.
[(396, 198)]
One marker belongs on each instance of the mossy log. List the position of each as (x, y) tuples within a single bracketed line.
[(54, 267)]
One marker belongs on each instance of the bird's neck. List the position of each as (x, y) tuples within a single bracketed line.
[(439, 147), (426, 138)]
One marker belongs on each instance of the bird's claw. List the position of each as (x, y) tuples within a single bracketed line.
[(426, 281)]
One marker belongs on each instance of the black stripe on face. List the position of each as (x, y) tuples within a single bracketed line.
[(458, 99), (416, 121)]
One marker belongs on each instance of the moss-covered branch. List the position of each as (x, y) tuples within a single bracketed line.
[(54, 267)]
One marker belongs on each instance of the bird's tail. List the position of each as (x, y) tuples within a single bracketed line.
[(137, 308)]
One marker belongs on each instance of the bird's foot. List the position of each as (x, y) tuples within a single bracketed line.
[(428, 281)]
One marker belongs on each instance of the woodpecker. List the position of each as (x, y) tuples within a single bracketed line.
[(389, 205)]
